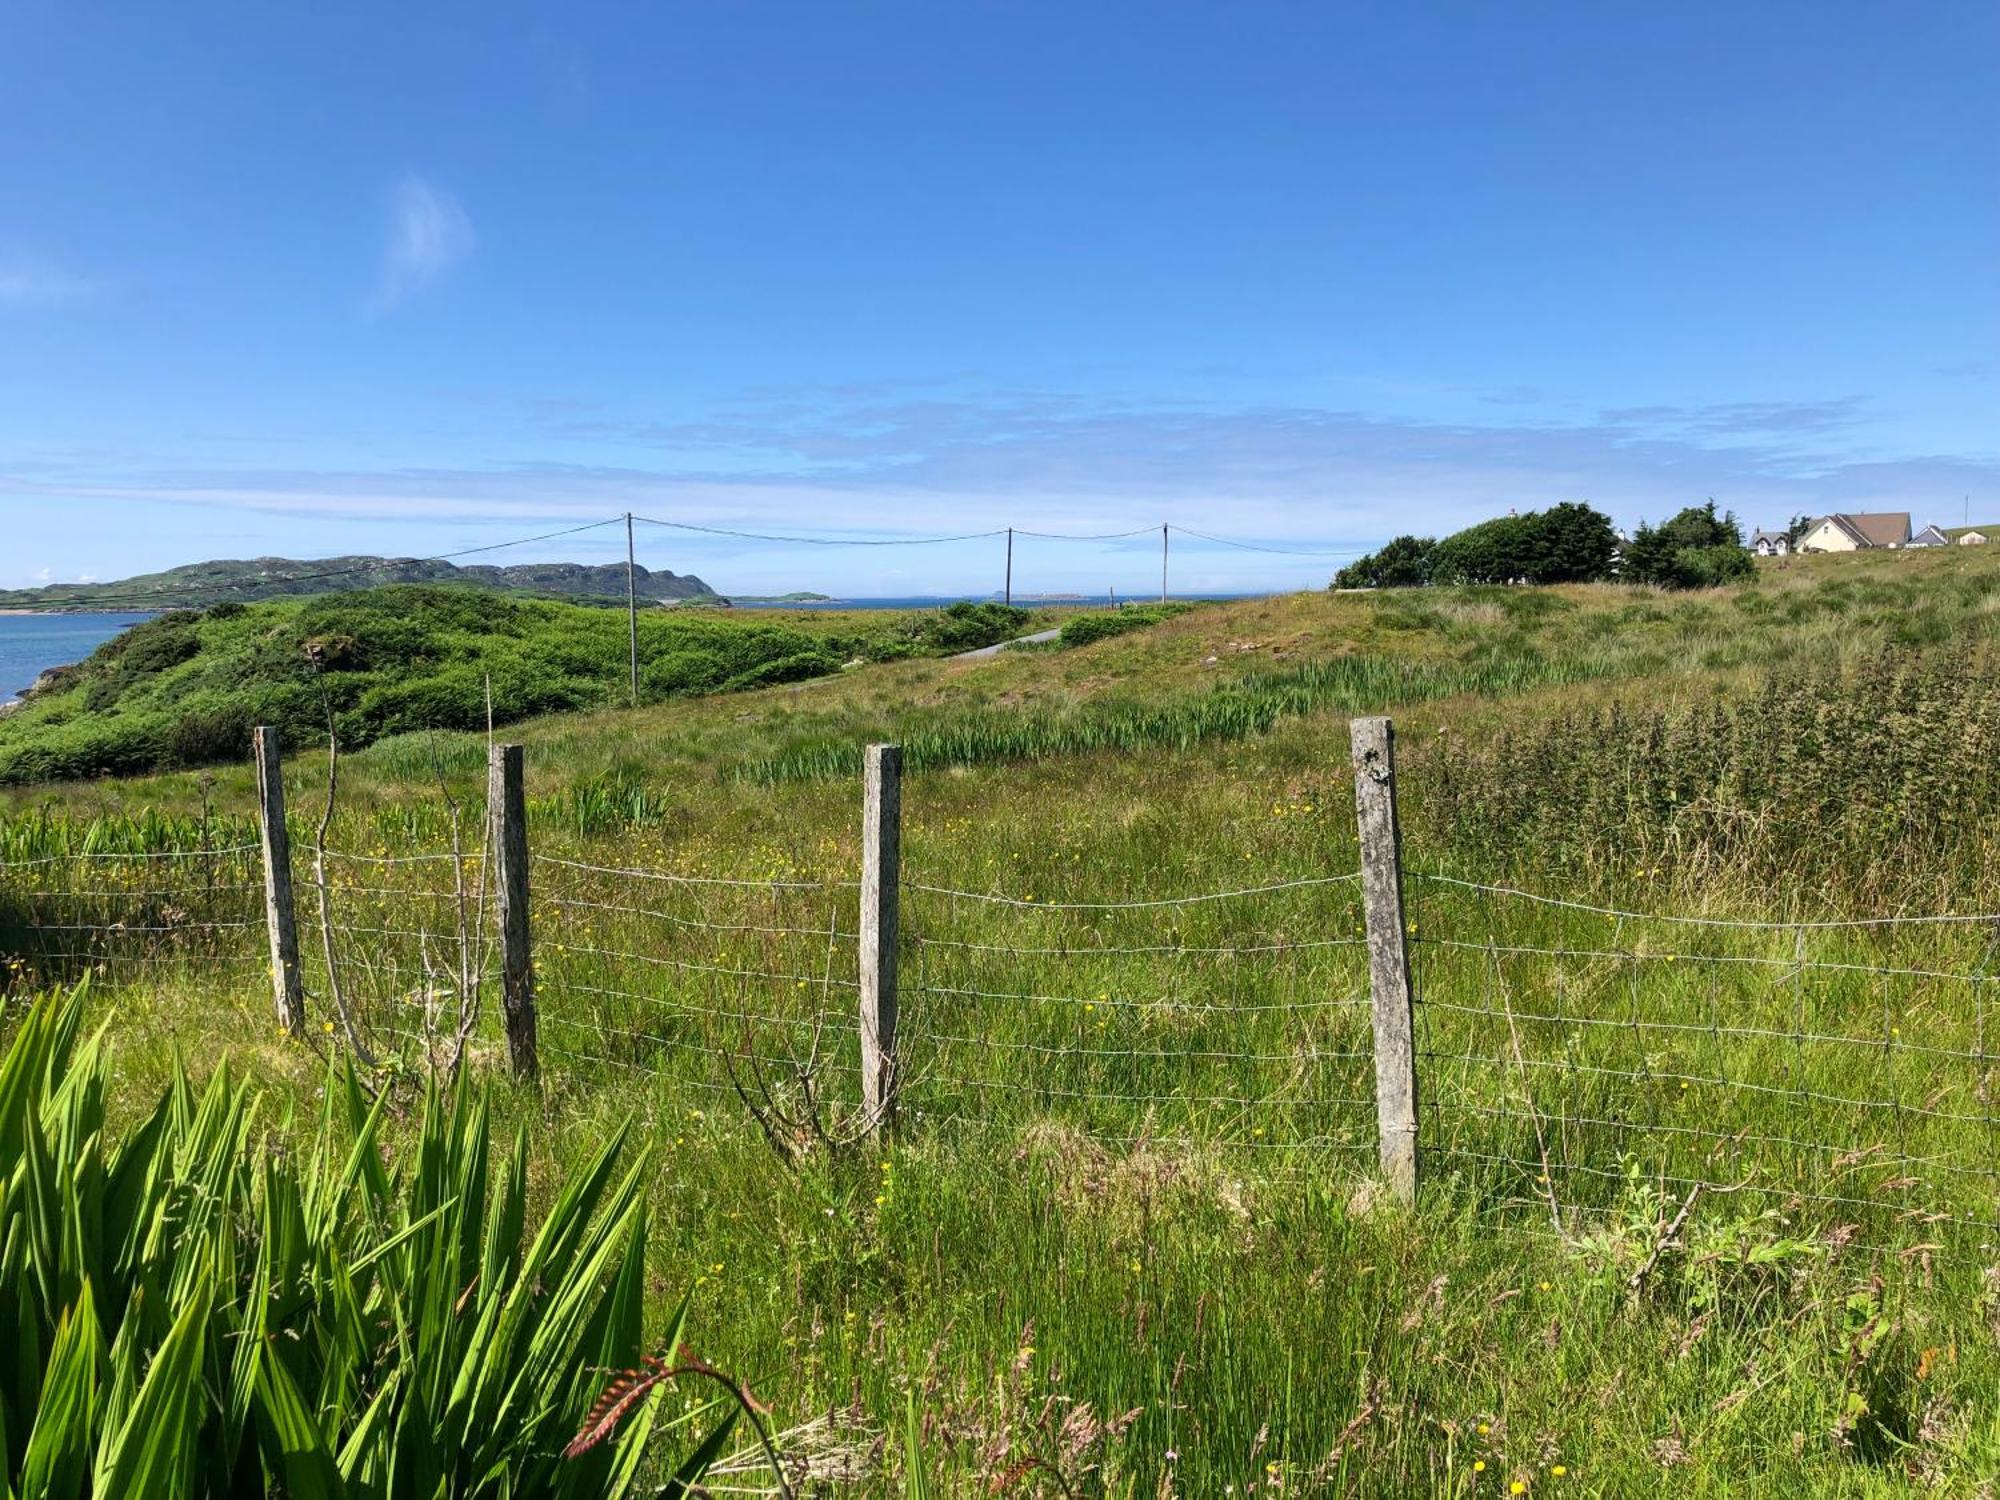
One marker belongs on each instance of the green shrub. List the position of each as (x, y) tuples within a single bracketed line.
[(681, 673), (103, 692), (1081, 630), (160, 644), (963, 626), (806, 664), (1712, 567), (116, 746), (204, 736), (456, 698)]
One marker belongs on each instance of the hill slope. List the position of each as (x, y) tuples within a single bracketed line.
[(184, 689), (197, 585)]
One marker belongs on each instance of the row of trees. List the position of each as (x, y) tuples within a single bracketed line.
[(1569, 543)]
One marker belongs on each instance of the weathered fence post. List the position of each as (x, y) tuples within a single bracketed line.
[(881, 886), (1374, 742), (507, 805), (286, 986)]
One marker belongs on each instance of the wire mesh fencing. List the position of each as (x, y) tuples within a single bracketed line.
[(1575, 1062), (1836, 1072), (130, 916), (1230, 1021), (723, 985)]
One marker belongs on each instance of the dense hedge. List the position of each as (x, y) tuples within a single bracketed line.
[(185, 689), (1081, 630), (1564, 544)]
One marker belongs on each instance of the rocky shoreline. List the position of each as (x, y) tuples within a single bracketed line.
[(50, 677)]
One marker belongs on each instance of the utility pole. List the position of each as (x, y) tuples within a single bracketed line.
[(632, 607), (1163, 562), (1009, 595)]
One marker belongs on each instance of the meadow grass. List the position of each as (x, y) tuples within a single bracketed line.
[(1128, 1225)]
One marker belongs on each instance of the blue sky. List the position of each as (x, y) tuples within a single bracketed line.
[(306, 280)]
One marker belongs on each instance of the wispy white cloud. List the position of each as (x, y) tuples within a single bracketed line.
[(429, 234), (1055, 461), (28, 282)]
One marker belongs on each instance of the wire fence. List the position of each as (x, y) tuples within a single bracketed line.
[(1233, 1021), (1576, 1063), (1837, 1070)]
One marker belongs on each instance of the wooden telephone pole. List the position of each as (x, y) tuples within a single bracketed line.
[(632, 607)]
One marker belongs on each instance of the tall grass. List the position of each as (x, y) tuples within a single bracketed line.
[(1235, 710), (1864, 785)]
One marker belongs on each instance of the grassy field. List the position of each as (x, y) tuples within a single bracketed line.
[(1127, 1241)]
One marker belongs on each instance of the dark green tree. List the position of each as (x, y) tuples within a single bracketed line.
[(1696, 549), (1648, 557), (1498, 551), (1569, 543), (1404, 563), (1700, 526)]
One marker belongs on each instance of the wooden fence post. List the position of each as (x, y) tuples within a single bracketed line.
[(286, 987), (1374, 744), (881, 886), (507, 804)]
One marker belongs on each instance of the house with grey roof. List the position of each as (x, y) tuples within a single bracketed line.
[(1935, 535), (1857, 532), (1770, 543)]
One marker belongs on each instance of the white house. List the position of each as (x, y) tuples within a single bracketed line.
[(1935, 535), (1770, 543), (1857, 533)]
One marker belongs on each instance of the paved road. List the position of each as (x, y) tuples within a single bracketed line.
[(1026, 640)]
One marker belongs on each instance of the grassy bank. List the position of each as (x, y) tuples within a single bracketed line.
[(185, 689), (1127, 1229)]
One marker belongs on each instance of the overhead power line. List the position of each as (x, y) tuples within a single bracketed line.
[(1226, 541), (1090, 536), (823, 541)]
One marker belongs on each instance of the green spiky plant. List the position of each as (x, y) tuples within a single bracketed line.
[(191, 1310)]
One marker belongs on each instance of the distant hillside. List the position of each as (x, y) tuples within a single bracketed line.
[(197, 585)]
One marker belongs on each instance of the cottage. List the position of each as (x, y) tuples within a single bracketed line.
[(1935, 535), (1770, 543), (1857, 532)]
